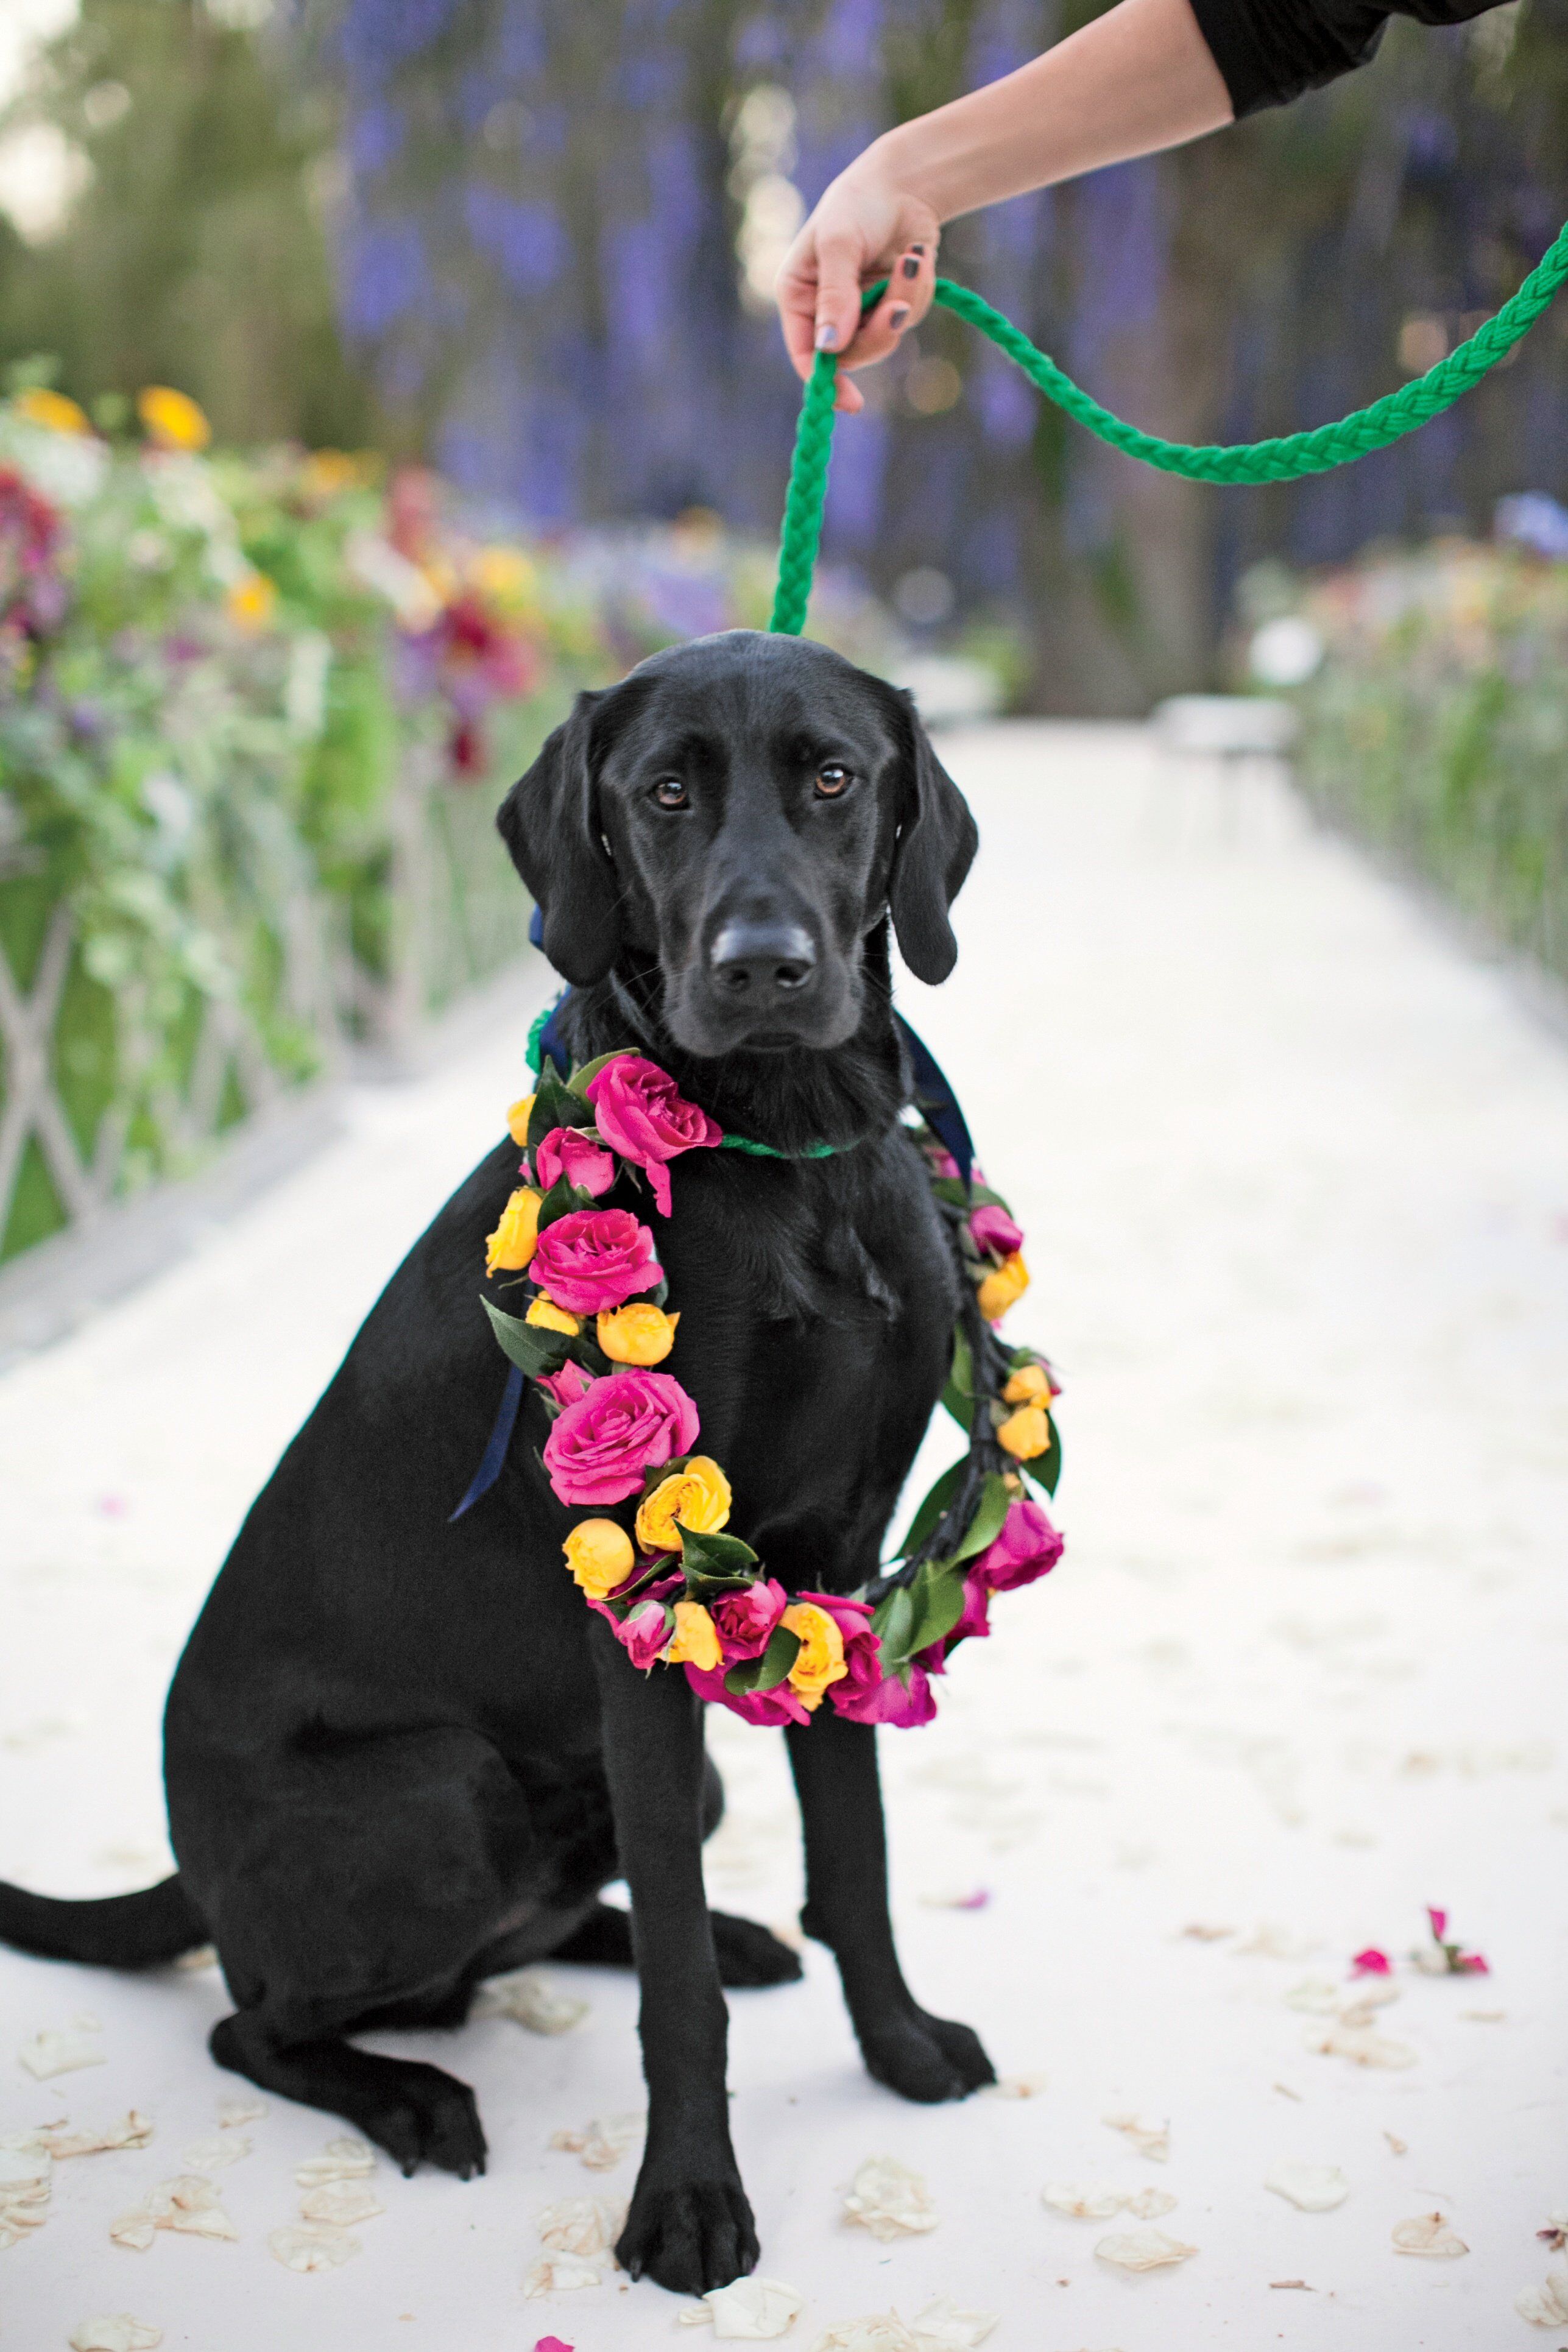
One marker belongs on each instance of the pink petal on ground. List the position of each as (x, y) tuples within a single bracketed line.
[(1439, 1922), (1371, 1963), (551, 2344), (975, 1902), (1472, 1964)]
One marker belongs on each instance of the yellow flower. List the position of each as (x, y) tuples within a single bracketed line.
[(1003, 1287), (52, 410), (326, 472), (1025, 1433), (546, 1316), (515, 1239), (638, 1334), (504, 574), (696, 1642), (251, 600), (172, 419), (821, 1659), (1030, 1384), (599, 1555), (516, 1120), (697, 1497)]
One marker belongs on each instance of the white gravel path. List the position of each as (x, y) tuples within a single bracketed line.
[(1295, 1181)]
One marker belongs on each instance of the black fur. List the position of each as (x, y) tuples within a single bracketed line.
[(402, 1754)]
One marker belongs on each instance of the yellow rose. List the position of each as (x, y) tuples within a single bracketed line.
[(696, 1641), (1030, 1384), (250, 601), (1025, 1433), (599, 1555), (699, 1496), (1003, 1287), (172, 419), (52, 410), (638, 1334), (516, 1238), (546, 1316), (821, 1659), (516, 1120)]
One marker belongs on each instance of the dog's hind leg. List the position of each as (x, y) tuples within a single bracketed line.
[(360, 1894), (920, 2056)]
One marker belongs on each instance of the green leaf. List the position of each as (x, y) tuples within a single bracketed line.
[(979, 1196), (986, 1524), (931, 1510), (553, 1105), (723, 1558), (1046, 1469), (962, 1372), (562, 1200), (581, 1079), (938, 1594), (892, 1623), (531, 1350), (766, 1673)]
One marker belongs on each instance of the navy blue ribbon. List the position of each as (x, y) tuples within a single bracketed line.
[(937, 1101), (491, 1468)]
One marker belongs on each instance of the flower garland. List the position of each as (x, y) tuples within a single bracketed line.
[(677, 1590)]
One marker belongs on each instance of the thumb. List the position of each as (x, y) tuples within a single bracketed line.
[(838, 293)]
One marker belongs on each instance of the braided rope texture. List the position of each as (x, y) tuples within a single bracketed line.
[(1283, 460)]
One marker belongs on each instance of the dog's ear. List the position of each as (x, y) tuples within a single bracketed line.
[(935, 847), (550, 823)]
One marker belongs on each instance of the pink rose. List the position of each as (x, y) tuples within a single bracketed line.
[(942, 1163), (566, 1385), (780, 1706), (1027, 1547), (643, 1115), (644, 1632), (903, 1705), (595, 1258), (566, 1151), (991, 1228), (628, 1423), (745, 1621)]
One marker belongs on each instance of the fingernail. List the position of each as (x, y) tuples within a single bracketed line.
[(917, 249), (897, 316), (911, 267), (828, 336)]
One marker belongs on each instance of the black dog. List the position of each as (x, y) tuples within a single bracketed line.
[(403, 1754)]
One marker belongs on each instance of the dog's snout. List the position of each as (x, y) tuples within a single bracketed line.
[(761, 959)]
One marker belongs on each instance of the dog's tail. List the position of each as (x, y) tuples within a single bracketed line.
[(118, 1931)]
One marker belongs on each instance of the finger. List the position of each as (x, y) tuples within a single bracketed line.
[(796, 294), (847, 396), (911, 284), (837, 311)]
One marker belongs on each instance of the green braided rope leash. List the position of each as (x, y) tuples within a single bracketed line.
[(1283, 460)]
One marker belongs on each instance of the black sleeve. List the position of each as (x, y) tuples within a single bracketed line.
[(1270, 51)]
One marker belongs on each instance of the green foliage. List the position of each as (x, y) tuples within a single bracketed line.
[(532, 1350), (1437, 727)]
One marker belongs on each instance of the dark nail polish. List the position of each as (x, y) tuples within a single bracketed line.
[(898, 315), (911, 267), (917, 249)]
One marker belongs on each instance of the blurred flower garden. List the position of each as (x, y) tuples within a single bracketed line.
[(1435, 714), (256, 715)]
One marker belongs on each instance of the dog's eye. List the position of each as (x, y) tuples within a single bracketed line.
[(831, 780), (670, 793)]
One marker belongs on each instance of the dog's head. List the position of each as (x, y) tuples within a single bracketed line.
[(745, 810)]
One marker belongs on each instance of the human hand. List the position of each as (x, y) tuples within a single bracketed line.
[(865, 227)]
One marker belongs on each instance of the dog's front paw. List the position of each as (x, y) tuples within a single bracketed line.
[(926, 2058), (689, 2235)]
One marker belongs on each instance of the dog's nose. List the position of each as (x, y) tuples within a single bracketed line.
[(761, 959)]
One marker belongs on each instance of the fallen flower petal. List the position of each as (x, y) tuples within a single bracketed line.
[(581, 2225), (1545, 2305), (533, 2000), (1371, 1963), (1152, 2140), (1555, 2233), (1150, 2203), (1018, 2086), (942, 2326), (232, 2113), (1400, 2146), (133, 2130), (115, 2332), (60, 2049), (551, 2344), (604, 2142), (342, 2159), (213, 2155), (1360, 2046), (559, 2274), (1312, 2187), (1316, 1996), (1142, 2250), (751, 2310), (889, 2199), (1428, 2234), (1097, 2203), (313, 2246), (1440, 1920), (341, 2203)]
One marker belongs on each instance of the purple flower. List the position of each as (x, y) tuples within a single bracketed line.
[(992, 1229)]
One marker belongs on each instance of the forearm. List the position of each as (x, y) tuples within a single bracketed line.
[(1138, 78)]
